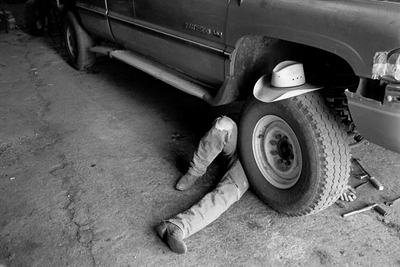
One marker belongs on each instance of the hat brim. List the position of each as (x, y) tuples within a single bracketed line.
[(265, 92)]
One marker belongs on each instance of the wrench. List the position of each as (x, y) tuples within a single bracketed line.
[(391, 203), (360, 210), (372, 179)]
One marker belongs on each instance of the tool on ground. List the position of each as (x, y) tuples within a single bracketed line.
[(360, 185), (391, 203), (360, 210), (380, 210), (376, 183), (359, 143), (372, 179)]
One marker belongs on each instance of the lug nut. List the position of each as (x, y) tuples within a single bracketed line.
[(274, 152), (273, 142), (278, 136), (280, 161)]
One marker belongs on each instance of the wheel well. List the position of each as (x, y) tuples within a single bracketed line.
[(255, 56), (70, 5)]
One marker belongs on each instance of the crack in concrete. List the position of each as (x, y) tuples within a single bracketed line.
[(57, 167), (63, 171), (391, 225), (78, 216), (43, 103)]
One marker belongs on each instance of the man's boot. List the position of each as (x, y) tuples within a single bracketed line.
[(173, 235), (186, 182)]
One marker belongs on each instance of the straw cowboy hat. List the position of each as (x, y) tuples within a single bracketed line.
[(287, 80)]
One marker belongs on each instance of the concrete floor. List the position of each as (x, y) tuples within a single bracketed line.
[(88, 162)]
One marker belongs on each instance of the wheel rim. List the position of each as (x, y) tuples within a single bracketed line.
[(39, 24), (71, 42), (277, 151)]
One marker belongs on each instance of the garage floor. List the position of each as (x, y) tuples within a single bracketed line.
[(88, 162)]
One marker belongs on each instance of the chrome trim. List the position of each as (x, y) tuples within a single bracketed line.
[(93, 10), (135, 23), (121, 19)]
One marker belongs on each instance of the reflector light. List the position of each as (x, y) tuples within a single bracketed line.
[(386, 65)]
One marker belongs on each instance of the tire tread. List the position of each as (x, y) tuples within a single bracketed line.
[(336, 168), (331, 150)]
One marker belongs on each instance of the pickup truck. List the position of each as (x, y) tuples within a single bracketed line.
[(295, 151)]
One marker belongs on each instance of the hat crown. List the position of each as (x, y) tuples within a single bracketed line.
[(288, 74)]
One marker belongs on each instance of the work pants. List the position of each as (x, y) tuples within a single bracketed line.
[(232, 186)]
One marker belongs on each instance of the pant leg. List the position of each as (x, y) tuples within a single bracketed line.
[(231, 188), (215, 141)]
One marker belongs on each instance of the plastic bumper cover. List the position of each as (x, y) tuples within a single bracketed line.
[(378, 122)]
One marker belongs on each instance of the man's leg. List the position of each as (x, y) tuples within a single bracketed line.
[(221, 137), (224, 136), (231, 188)]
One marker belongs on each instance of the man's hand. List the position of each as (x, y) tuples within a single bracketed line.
[(348, 194)]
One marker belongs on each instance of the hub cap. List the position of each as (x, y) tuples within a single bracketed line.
[(277, 151), (39, 24), (71, 42)]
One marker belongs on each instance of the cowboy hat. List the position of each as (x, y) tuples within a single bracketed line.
[(287, 80)]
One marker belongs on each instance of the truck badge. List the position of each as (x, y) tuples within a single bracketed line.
[(203, 29)]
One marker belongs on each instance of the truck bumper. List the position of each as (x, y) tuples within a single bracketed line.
[(376, 121)]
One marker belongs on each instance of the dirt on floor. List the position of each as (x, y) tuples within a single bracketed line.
[(89, 160)]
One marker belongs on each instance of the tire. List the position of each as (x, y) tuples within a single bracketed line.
[(35, 16), (77, 43), (294, 153)]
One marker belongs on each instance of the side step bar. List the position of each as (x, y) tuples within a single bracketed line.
[(162, 73)]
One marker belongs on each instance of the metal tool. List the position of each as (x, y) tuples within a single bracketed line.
[(359, 143), (391, 203), (372, 179), (380, 210), (360, 185), (376, 183), (360, 210)]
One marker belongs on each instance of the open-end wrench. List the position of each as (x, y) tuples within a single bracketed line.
[(391, 203), (372, 179)]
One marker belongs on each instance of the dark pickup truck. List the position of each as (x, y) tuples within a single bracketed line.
[(295, 151)]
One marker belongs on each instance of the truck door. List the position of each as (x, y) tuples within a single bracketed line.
[(93, 14), (188, 35), (121, 14)]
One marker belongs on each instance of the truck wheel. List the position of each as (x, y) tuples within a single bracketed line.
[(77, 43), (35, 17), (294, 153)]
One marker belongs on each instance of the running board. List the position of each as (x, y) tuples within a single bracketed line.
[(158, 71)]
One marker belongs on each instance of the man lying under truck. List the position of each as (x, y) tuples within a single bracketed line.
[(221, 138)]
